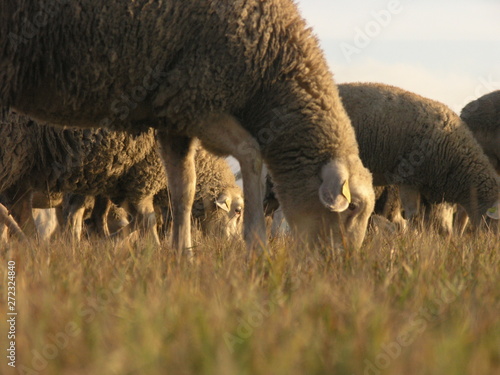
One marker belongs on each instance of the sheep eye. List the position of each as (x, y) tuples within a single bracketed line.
[(237, 210), (352, 206)]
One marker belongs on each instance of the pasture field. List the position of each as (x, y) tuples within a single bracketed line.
[(403, 304)]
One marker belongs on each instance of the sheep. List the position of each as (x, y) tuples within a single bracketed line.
[(482, 116), (132, 183), (247, 78), (87, 162), (218, 203), (421, 145), (217, 207), (218, 194)]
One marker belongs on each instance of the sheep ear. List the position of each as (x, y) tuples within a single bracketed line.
[(223, 202), (494, 212), (334, 190)]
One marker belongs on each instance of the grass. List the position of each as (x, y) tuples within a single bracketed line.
[(404, 304)]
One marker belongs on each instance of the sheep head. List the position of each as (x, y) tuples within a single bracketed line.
[(346, 200), (225, 215)]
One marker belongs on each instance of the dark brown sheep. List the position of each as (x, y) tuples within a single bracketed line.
[(91, 162), (245, 77), (421, 145), (482, 116)]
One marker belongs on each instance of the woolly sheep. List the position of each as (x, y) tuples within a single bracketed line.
[(95, 169), (421, 145), (218, 199), (482, 116), (246, 78), (86, 162), (218, 203)]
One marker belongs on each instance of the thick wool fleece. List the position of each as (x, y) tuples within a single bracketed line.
[(96, 161), (167, 64), (410, 140), (51, 160), (482, 116)]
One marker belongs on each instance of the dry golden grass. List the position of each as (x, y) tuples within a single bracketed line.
[(405, 304)]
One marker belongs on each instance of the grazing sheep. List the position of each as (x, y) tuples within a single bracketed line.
[(482, 116), (218, 203), (86, 162), (218, 194), (421, 145), (131, 183), (246, 78), (404, 204)]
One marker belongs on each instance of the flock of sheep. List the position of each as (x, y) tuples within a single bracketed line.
[(143, 88)]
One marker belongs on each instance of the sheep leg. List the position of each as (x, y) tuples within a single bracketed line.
[(177, 153), (145, 217), (23, 214), (60, 218), (410, 200), (75, 222), (10, 223), (461, 220), (99, 215), (224, 134), (73, 212), (441, 218)]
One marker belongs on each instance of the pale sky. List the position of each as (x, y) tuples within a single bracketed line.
[(442, 49)]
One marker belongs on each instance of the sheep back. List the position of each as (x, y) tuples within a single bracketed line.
[(407, 139), (482, 116)]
